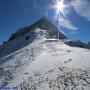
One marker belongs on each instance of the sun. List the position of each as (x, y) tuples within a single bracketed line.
[(59, 6)]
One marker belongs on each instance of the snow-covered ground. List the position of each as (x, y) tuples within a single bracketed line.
[(46, 64)]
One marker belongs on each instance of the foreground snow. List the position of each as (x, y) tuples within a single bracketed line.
[(47, 65)]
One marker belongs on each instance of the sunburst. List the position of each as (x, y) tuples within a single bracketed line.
[(59, 6)]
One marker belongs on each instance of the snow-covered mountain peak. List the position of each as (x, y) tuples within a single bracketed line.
[(43, 28), (43, 24), (34, 59)]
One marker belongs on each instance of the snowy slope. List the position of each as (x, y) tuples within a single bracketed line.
[(46, 64)]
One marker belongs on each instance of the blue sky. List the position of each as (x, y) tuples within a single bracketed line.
[(19, 13)]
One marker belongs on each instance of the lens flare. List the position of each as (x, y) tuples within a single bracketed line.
[(59, 6)]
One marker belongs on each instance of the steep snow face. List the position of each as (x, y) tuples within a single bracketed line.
[(46, 64)]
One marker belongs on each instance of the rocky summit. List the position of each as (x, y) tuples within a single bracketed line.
[(44, 24)]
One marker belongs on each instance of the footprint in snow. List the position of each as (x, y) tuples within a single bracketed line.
[(68, 61), (68, 50)]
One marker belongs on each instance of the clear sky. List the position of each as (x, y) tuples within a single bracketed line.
[(19, 13)]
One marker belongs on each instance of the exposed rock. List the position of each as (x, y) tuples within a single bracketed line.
[(76, 43), (20, 32)]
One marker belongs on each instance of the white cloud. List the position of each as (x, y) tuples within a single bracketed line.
[(67, 24), (74, 32), (64, 21), (82, 7)]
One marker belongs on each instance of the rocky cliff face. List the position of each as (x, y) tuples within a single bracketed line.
[(44, 24)]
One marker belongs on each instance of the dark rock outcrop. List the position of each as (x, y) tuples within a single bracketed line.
[(76, 43)]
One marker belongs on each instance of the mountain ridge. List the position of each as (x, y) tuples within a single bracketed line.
[(42, 23)]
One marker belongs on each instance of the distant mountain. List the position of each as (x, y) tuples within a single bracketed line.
[(88, 45), (76, 43), (44, 24)]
